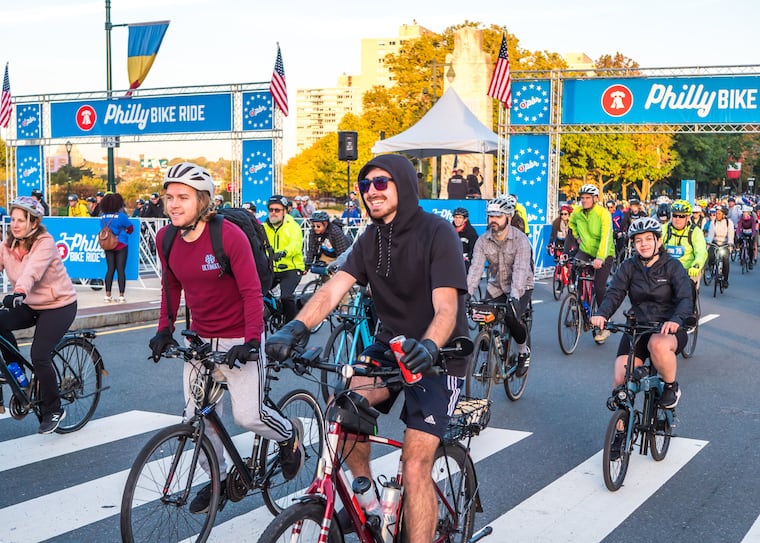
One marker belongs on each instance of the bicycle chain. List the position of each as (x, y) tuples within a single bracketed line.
[(236, 489)]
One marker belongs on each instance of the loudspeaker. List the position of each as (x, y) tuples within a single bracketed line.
[(347, 146)]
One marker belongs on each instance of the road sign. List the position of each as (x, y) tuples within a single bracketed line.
[(110, 142)]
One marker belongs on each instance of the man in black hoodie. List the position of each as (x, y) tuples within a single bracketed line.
[(413, 262)]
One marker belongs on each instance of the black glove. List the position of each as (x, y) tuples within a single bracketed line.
[(240, 353), (280, 345), (514, 304), (14, 300), (279, 255), (160, 342), (419, 356)]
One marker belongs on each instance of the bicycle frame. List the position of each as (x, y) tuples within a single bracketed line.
[(355, 315), (583, 279)]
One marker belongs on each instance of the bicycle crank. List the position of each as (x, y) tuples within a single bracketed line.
[(236, 489)]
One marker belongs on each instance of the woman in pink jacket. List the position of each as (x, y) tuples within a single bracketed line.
[(43, 296)]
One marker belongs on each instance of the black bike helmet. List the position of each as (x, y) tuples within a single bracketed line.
[(663, 212), (277, 199), (320, 216), (461, 211)]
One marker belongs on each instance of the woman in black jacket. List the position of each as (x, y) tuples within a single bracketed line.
[(659, 290), (467, 234)]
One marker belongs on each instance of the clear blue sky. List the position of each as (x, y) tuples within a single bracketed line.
[(59, 46)]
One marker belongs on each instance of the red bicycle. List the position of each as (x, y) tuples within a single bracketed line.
[(561, 279)]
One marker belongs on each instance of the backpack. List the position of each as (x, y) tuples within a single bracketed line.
[(688, 235), (107, 239)]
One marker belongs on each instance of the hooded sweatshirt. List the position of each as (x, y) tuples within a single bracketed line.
[(404, 260)]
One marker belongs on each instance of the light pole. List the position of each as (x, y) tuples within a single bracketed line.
[(111, 179), (68, 172)]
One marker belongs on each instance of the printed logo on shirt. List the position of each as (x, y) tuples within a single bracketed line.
[(430, 419), (211, 263)]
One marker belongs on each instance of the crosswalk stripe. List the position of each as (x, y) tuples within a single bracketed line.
[(97, 432), (249, 526), (577, 506), (707, 318), (753, 536)]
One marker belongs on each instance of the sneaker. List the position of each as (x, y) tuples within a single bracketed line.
[(107, 299), (670, 395), (601, 336), (199, 505), (121, 299), (617, 444), (292, 452), (50, 422), (523, 364)]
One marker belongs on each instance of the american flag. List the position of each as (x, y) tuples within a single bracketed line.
[(501, 80), (277, 87), (5, 101)]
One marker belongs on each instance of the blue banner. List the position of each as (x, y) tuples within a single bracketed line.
[(673, 100), (258, 171), (30, 170), (445, 208), (531, 101), (28, 123), (136, 116), (78, 247), (528, 174), (257, 110)]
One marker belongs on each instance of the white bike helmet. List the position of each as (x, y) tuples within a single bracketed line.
[(191, 175), (28, 204), (501, 205), (588, 188), (645, 224)]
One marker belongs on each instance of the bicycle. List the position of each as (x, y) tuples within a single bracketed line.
[(577, 307), (744, 257), (348, 339), (717, 272), (561, 279), (350, 418), (651, 427), (495, 358), (318, 268), (274, 313), (692, 330), (167, 473), (79, 371)]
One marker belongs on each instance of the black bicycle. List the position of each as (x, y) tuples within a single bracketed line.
[(744, 252), (577, 307), (717, 271), (167, 471)]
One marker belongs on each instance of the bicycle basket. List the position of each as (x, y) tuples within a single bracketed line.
[(354, 413), (482, 313), (470, 417)]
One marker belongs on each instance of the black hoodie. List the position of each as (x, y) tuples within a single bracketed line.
[(404, 260)]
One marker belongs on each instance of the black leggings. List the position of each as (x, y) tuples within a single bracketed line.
[(516, 325), (117, 262), (50, 326), (288, 281)]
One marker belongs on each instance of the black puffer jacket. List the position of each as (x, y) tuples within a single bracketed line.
[(658, 294)]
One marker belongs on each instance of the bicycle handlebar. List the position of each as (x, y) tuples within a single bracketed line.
[(632, 328)]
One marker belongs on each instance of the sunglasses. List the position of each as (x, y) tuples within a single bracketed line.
[(380, 183), (680, 216), (276, 210), (564, 214)]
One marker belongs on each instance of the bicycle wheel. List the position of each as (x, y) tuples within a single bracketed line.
[(707, 277), (514, 386), (339, 351), (300, 522), (614, 470), (79, 370), (306, 293), (744, 258), (569, 324), (557, 283), (480, 370), (279, 493), (454, 473), (659, 433), (692, 335), (162, 483), (717, 281)]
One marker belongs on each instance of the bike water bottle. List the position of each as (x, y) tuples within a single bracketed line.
[(365, 494), (389, 502), (18, 374), (398, 352), (499, 346)]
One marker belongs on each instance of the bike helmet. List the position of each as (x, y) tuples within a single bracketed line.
[(249, 205), (663, 212), (501, 205), (610, 203), (100, 193), (28, 204), (645, 224), (681, 207), (320, 216), (461, 211), (37, 193), (634, 202), (191, 175), (712, 211), (73, 198), (139, 201), (723, 209), (278, 199), (746, 209), (588, 188)]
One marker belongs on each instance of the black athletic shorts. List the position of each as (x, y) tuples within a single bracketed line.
[(642, 349)]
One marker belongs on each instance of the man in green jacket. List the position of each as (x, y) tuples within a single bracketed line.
[(591, 225), (286, 239)]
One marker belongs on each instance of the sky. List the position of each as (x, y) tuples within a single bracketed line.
[(56, 46)]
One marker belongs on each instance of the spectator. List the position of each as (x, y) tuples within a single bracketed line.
[(307, 209), (95, 211), (457, 186), (154, 209), (351, 216), (139, 206), (114, 217), (474, 182), (92, 202), (422, 189)]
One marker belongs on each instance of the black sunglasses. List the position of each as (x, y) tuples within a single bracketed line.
[(380, 182), (680, 216), (276, 209)]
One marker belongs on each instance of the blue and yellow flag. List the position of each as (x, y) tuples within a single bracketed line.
[(144, 42)]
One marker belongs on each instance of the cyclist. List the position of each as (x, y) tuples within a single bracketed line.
[(635, 211), (618, 227), (664, 212), (592, 226), (698, 216), (42, 296), (467, 234), (227, 312), (721, 232), (510, 275), (746, 231), (686, 242), (521, 219), (351, 215), (286, 239), (326, 240), (560, 231), (77, 208), (412, 261), (658, 288)]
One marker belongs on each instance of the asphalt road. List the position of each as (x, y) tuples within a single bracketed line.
[(539, 466)]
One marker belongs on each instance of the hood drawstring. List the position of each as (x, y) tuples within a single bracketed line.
[(380, 250)]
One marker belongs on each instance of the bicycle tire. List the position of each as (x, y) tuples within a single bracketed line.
[(569, 324), (716, 282), (744, 258), (514, 386), (303, 520), (146, 514), (557, 283), (79, 371), (454, 473), (480, 370), (614, 470), (659, 433), (339, 351), (707, 277), (693, 334), (277, 492)]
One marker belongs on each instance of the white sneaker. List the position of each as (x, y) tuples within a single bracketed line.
[(121, 299), (602, 336), (107, 299)]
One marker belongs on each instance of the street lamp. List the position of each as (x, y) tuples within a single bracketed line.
[(68, 154)]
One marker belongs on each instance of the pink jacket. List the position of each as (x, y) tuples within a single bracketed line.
[(40, 274)]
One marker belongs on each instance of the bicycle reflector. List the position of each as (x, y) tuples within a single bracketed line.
[(482, 313)]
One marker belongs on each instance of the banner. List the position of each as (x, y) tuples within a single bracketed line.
[(142, 47), (445, 208), (673, 100), (531, 101), (258, 172), (528, 174), (30, 170), (257, 111), (28, 122), (136, 116), (77, 242)]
